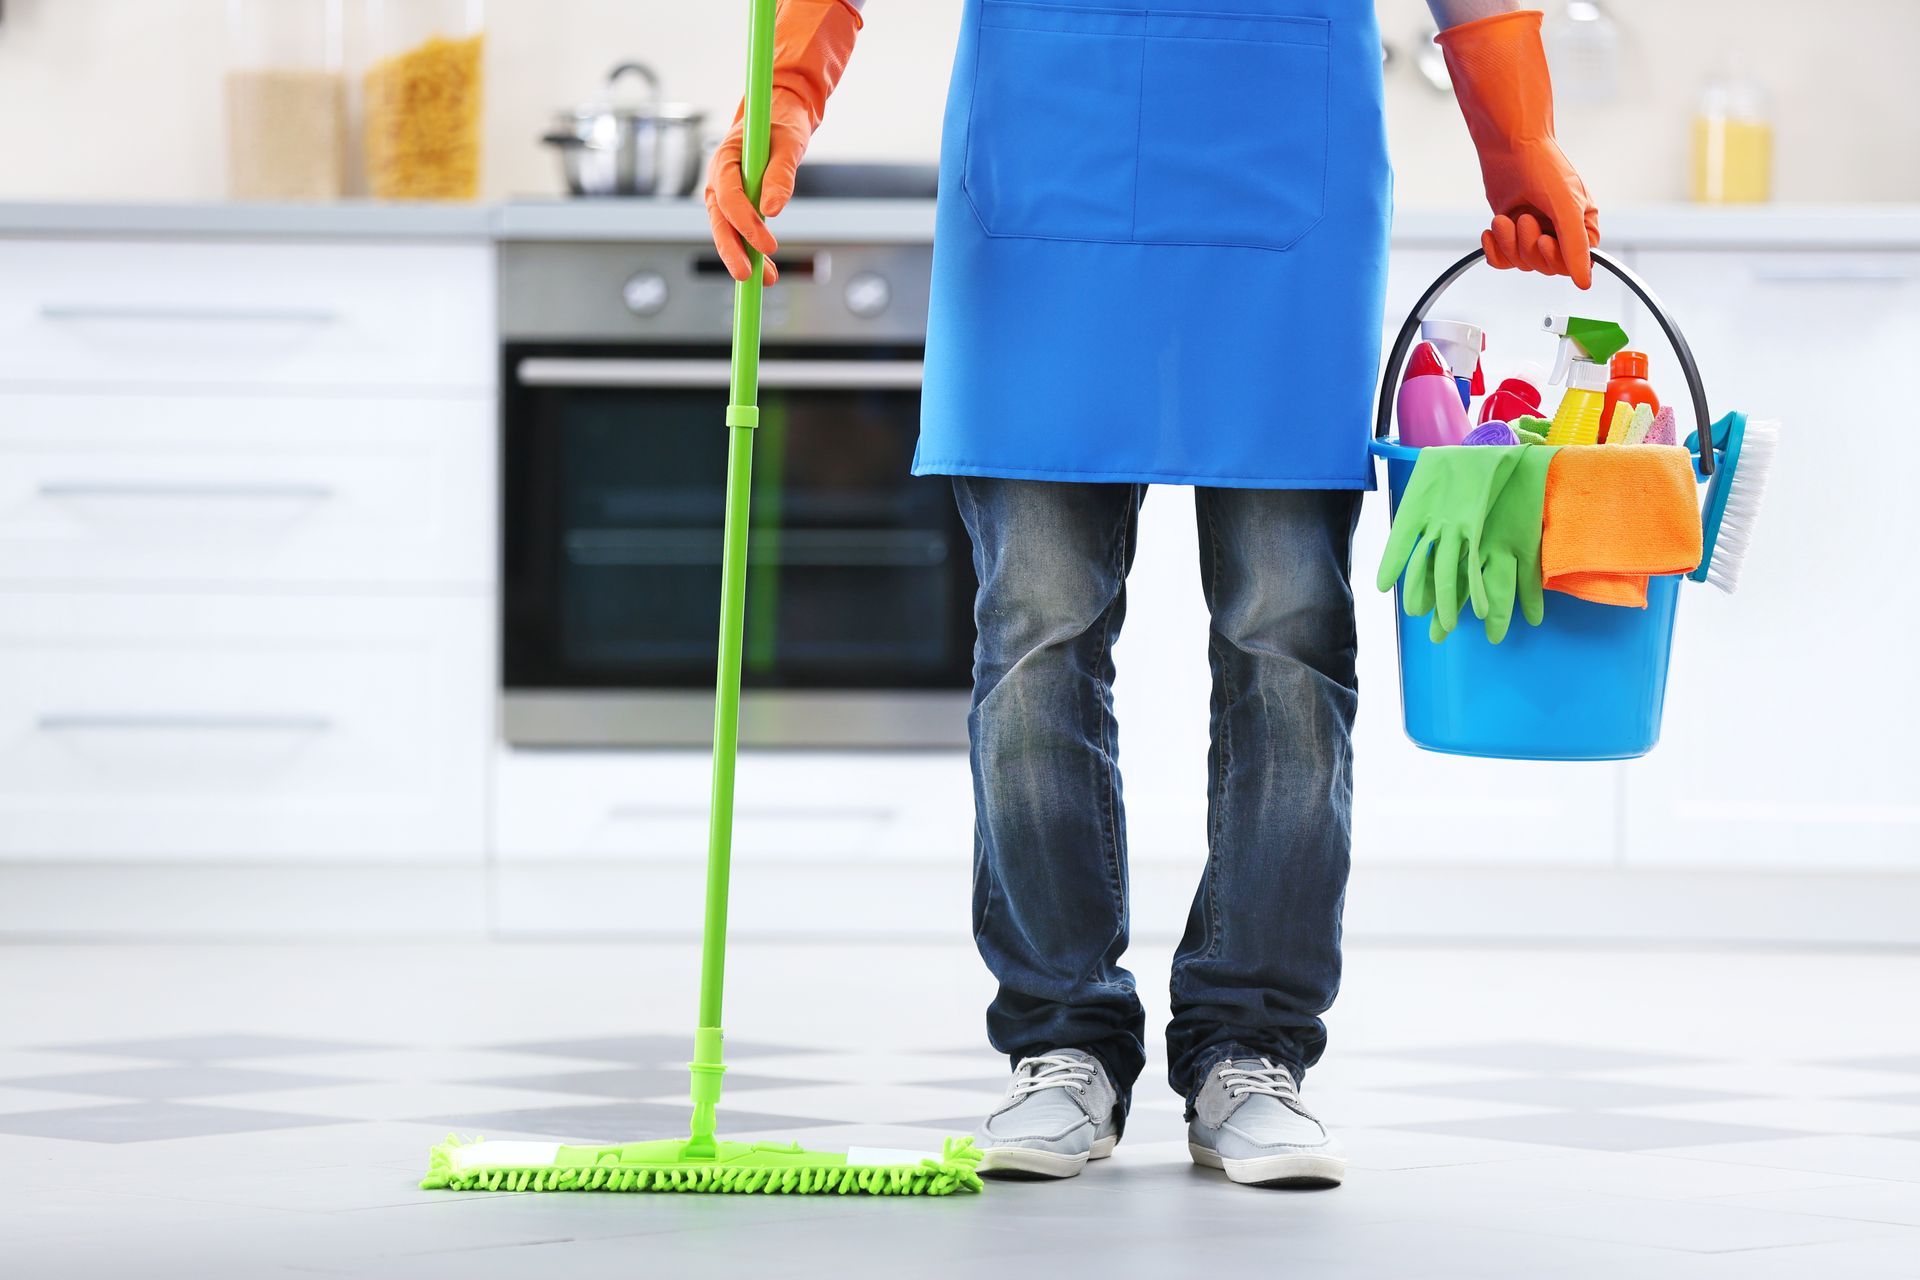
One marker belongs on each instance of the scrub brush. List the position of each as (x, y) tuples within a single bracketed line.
[(1739, 481), (701, 1161)]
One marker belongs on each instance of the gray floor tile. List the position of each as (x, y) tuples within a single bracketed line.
[(1527, 1055), (610, 1122), (1574, 1093), (148, 1122), (185, 1080), (214, 1048), (1601, 1130)]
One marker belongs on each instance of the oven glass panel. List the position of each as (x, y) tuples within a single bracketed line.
[(858, 573)]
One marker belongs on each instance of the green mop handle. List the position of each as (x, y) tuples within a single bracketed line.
[(743, 415)]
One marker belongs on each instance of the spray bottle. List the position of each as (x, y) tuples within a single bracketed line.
[(1585, 347)]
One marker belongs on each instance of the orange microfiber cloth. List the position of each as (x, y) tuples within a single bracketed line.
[(1615, 516)]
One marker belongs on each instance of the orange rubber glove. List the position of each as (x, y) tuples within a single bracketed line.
[(812, 40), (1543, 218)]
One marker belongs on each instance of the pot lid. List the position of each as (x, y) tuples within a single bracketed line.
[(622, 107)]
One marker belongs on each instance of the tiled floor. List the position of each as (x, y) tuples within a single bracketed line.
[(256, 1111)]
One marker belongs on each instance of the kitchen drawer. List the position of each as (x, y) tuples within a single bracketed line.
[(177, 726), (103, 313), (232, 491), (792, 806)]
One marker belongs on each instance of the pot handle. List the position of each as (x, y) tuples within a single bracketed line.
[(640, 69)]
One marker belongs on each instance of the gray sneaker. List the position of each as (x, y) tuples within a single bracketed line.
[(1249, 1122), (1059, 1112)]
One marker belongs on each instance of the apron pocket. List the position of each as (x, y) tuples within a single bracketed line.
[(1051, 141), (1233, 130)]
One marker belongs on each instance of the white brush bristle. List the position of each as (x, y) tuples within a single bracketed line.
[(1747, 487)]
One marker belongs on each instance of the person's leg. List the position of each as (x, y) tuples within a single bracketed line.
[(1260, 961), (1050, 873)]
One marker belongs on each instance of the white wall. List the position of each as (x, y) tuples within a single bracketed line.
[(120, 99)]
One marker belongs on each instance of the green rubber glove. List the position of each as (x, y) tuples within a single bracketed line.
[(1510, 547), (1437, 530)]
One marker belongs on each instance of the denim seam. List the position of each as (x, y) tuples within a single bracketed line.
[(1115, 876), (1224, 738)]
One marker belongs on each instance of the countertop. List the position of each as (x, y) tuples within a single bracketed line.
[(896, 221)]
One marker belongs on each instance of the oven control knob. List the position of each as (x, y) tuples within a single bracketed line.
[(645, 293), (868, 294)]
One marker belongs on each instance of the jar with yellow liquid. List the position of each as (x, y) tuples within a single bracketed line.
[(1733, 145)]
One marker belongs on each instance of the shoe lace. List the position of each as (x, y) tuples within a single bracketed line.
[(1051, 1071), (1269, 1078)]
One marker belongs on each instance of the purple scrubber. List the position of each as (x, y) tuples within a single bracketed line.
[(1492, 433)]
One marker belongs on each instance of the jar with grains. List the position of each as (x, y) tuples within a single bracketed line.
[(423, 91), (286, 100)]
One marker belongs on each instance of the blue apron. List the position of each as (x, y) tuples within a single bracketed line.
[(1161, 244)]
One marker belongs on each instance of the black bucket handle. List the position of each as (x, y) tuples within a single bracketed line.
[(1403, 344)]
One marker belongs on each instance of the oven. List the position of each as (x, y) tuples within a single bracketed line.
[(860, 586)]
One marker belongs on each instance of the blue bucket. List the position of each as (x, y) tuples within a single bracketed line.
[(1588, 683)]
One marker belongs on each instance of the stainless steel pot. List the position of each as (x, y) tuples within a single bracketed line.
[(609, 148)]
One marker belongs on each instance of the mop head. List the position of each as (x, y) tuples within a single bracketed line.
[(753, 1168)]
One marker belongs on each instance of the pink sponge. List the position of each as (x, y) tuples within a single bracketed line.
[(1665, 428)]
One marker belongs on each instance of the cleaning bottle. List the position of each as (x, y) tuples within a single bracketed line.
[(1429, 406), (1578, 420), (1628, 386), (1511, 399), (1460, 344)]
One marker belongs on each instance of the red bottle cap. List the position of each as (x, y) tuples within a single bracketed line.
[(1426, 359), (1629, 364)]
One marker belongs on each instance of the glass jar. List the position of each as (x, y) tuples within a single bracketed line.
[(1733, 144), (423, 89), (286, 100)]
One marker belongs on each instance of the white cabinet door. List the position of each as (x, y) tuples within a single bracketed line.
[(246, 491), (183, 726), (1790, 717), (173, 313)]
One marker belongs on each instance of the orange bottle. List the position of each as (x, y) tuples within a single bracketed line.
[(1628, 385)]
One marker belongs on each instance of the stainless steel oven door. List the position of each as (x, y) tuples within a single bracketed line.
[(859, 626)]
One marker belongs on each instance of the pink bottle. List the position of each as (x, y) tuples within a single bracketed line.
[(1428, 405)]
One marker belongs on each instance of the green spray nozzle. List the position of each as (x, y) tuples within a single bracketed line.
[(1596, 340)]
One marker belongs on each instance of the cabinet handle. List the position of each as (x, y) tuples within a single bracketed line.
[(75, 722), (110, 489), (1831, 275), (187, 315)]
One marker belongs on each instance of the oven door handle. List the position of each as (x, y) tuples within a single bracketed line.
[(775, 375)]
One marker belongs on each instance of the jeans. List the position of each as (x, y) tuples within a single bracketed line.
[(1260, 960)]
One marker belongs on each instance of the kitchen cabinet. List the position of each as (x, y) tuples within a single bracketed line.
[(247, 552), (246, 491), (99, 314), (1790, 713), (184, 726)]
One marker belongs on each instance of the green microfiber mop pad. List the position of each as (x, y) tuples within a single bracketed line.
[(759, 1168)]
